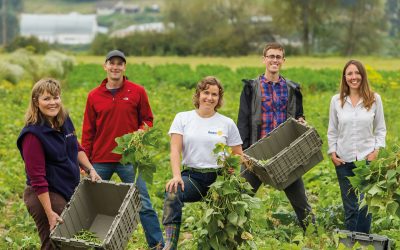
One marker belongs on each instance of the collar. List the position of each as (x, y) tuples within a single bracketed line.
[(348, 100), (281, 80), (104, 82)]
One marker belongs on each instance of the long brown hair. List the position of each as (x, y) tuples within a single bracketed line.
[(203, 85), (365, 91), (33, 115)]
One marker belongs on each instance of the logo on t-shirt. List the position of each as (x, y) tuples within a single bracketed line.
[(216, 132)]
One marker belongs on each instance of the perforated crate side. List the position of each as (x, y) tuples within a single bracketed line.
[(125, 222), (297, 154), (300, 171)]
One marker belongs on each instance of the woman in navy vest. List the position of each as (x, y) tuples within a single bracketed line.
[(52, 156)]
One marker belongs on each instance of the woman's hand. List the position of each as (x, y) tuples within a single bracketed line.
[(373, 155), (53, 218), (93, 175), (172, 185), (336, 161)]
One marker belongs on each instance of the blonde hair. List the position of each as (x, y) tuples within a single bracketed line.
[(203, 85), (33, 115), (365, 91)]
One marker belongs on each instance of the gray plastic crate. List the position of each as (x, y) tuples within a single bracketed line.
[(109, 209), (349, 238), (291, 149)]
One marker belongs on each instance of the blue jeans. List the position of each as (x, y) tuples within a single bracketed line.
[(148, 215), (355, 219), (196, 187)]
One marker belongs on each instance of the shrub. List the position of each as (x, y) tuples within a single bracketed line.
[(11, 72), (31, 43), (57, 65)]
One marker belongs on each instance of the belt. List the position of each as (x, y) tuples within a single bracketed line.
[(202, 170)]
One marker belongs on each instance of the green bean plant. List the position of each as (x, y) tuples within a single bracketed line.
[(87, 236), (135, 149), (380, 183), (226, 221)]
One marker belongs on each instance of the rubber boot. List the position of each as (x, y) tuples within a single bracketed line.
[(171, 236)]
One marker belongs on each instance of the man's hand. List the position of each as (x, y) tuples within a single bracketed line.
[(301, 120)]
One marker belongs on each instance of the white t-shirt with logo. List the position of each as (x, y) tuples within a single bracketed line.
[(200, 136)]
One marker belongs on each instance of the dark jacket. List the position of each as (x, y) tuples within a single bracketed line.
[(61, 156), (249, 118)]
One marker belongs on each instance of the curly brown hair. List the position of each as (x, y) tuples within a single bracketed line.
[(205, 84)]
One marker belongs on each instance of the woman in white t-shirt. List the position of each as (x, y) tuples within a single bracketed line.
[(356, 132), (194, 135)]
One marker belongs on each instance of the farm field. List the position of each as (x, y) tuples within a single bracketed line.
[(388, 64), (170, 84)]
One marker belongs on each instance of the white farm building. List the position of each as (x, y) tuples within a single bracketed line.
[(70, 29)]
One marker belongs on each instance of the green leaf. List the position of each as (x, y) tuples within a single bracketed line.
[(212, 227), (375, 190), (231, 230), (118, 150), (392, 207), (241, 220), (233, 218), (377, 202), (391, 174)]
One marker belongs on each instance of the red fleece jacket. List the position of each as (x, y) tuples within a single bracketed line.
[(109, 116)]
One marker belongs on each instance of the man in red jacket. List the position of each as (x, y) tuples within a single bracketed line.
[(115, 108)]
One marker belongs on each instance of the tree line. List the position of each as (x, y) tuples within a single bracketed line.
[(236, 27)]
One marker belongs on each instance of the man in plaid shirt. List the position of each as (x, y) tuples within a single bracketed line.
[(266, 102)]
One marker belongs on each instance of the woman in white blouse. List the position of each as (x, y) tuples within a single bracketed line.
[(356, 132)]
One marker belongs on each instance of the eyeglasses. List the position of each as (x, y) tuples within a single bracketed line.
[(272, 57)]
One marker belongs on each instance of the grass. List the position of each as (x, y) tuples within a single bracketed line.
[(65, 6), (58, 6), (390, 64), (255, 61)]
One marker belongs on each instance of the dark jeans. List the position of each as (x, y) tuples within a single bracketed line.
[(147, 214), (196, 187), (36, 210), (355, 219), (295, 192)]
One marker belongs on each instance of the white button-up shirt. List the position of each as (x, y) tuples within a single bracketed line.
[(354, 132)]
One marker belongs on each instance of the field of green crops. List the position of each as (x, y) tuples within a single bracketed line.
[(170, 87)]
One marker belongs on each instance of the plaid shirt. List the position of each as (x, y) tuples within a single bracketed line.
[(274, 98)]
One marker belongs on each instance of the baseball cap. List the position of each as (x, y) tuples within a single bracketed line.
[(115, 53)]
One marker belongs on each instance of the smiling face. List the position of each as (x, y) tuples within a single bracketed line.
[(273, 60), (209, 97), (49, 105), (115, 68), (353, 77)]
